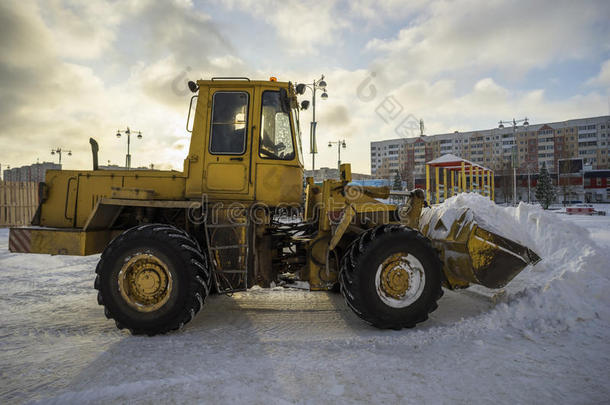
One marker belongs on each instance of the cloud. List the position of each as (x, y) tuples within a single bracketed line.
[(336, 116), (69, 71), (302, 26), (603, 77), (75, 28), (510, 37), (177, 43), (438, 103), (379, 12)]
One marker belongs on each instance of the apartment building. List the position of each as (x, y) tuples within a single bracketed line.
[(528, 146), (35, 172)]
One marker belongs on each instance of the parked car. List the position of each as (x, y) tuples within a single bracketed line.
[(583, 209)]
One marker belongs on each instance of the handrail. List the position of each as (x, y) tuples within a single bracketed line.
[(230, 78), (68, 198), (188, 118)]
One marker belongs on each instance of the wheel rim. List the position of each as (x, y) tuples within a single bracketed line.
[(145, 282), (400, 280)]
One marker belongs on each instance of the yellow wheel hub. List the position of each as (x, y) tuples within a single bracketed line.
[(394, 277), (400, 280), (145, 282)]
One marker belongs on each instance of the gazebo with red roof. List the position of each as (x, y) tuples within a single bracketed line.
[(458, 176)]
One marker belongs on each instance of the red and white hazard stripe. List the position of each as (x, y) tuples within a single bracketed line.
[(20, 240)]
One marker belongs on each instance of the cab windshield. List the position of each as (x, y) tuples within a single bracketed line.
[(276, 135)]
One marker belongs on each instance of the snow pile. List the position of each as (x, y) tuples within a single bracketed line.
[(488, 215), (289, 346), (571, 282)]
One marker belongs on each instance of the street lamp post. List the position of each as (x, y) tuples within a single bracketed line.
[(529, 182), (59, 151), (340, 144), (315, 85), (514, 154), (128, 133)]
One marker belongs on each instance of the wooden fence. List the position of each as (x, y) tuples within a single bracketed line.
[(18, 202)]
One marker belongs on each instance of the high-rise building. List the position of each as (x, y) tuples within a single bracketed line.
[(34, 172), (527, 146)]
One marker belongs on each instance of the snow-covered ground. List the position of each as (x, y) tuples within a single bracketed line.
[(544, 339)]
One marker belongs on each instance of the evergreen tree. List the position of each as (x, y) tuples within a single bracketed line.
[(545, 192), (397, 182)]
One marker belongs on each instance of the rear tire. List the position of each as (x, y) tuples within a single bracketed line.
[(152, 279), (391, 277)]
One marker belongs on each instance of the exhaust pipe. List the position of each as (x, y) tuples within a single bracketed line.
[(94, 149)]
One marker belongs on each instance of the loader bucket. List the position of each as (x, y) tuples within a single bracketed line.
[(470, 252)]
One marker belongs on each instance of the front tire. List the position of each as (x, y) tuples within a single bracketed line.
[(152, 279), (391, 277)]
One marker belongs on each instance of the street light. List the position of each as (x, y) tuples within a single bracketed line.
[(128, 133), (340, 144), (59, 151), (315, 85), (514, 157), (529, 168)]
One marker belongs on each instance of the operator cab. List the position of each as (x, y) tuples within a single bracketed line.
[(245, 142)]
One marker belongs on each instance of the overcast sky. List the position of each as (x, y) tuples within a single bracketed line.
[(70, 70)]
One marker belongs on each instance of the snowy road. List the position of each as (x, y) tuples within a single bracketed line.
[(293, 346)]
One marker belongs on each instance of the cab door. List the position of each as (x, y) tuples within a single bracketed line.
[(279, 172), (228, 150)]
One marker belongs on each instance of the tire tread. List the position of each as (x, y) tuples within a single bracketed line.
[(198, 273), (350, 281)]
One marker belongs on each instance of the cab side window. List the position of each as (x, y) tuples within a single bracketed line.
[(276, 136), (229, 122)]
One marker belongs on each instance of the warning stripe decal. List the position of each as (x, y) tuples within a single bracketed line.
[(20, 240)]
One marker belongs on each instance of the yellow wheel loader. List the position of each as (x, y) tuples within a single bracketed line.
[(240, 214)]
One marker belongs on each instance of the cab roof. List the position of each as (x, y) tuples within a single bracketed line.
[(236, 81)]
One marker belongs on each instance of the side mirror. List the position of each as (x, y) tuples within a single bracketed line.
[(193, 86), (300, 89), (304, 104)]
